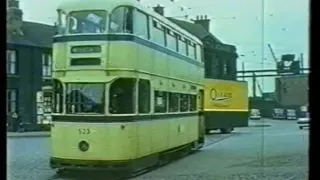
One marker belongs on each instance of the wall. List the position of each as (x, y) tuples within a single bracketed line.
[(28, 80), (292, 91)]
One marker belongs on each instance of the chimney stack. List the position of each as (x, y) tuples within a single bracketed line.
[(203, 21), (14, 17), (159, 9)]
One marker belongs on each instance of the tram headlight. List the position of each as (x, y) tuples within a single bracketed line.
[(83, 146)]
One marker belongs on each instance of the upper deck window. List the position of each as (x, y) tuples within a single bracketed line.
[(121, 20), (61, 23), (93, 21)]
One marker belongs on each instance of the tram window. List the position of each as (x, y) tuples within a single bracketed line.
[(193, 103), (89, 21), (62, 22), (158, 34), (85, 98), (144, 96), (160, 102), (171, 40), (199, 53), (57, 104), (182, 46), (173, 102), (184, 102), (140, 26), (122, 96), (191, 50), (121, 20)]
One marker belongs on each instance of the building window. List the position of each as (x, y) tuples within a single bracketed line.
[(46, 65), (11, 100), (11, 62), (225, 69)]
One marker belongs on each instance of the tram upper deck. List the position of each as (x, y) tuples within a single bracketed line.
[(121, 38)]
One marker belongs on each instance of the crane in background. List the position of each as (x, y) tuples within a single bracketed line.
[(273, 54)]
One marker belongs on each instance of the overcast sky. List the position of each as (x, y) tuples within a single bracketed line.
[(285, 27)]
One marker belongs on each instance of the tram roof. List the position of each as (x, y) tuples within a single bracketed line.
[(78, 5), (88, 79)]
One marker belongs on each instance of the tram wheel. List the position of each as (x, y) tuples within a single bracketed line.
[(208, 131), (61, 171)]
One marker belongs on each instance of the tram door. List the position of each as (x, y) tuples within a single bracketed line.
[(201, 115)]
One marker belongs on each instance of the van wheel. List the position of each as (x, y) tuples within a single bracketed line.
[(226, 130)]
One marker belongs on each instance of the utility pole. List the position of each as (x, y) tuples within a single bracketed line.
[(243, 71), (301, 63), (254, 85)]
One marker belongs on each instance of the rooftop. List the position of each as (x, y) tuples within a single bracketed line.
[(195, 29), (34, 34)]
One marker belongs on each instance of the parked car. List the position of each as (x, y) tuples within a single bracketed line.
[(278, 113), (303, 121), (291, 114), (255, 114)]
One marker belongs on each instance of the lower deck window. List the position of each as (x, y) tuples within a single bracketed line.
[(57, 100), (160, 102), (85, 98), (174, 102), (122, 96), (144, 96), (193, 103), (184, 102)]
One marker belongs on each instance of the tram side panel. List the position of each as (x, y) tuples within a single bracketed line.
[(225, 105), (122, 141)]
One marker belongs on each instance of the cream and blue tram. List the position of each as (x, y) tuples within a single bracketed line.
[(128, 86)]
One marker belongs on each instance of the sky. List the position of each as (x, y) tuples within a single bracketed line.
[(244, 23)]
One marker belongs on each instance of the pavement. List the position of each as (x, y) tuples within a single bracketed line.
[(277, 152), (28, 134), (252, 123)]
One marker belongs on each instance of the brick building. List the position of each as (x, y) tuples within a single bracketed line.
[(29, 47)]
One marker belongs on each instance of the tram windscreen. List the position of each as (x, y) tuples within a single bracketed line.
[(93, 21), (85, 98)]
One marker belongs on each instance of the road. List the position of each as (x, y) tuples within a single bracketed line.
[(276, 152)]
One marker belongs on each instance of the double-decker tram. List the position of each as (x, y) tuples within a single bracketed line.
[(128, 87)]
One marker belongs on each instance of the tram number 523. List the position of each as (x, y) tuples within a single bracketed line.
[(84, 131)]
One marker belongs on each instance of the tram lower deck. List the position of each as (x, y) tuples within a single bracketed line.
[(119, 142)]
